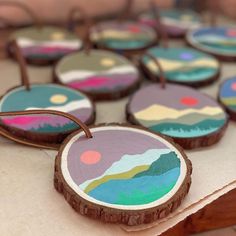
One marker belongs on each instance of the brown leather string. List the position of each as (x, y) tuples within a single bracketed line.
[(159, 26), (161, 71), (21, 61), (87, 21), (11, 136), (4, 23), (25, 8), (127, 10)]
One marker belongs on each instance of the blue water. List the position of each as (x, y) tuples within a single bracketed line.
[(142, 186)]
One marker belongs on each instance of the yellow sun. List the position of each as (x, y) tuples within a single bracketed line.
[(107, 62), (58, 99), (57, 36)]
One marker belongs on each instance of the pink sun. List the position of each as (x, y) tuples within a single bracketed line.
[(189, 101), (90, 157)]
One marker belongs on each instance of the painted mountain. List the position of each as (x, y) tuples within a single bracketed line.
[(99, 72), (136, 179), (182, 64), (228, 93), (123, 36), (189, 122), (45, 97), (46, 43), (221, 40)]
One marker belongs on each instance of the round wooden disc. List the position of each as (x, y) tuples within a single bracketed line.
[(45, 128), (227, 96), (123, 36), (191, 118), (45, 45), (124, 174), (219, 41), (176, 21), (101, 74), (182, 65)]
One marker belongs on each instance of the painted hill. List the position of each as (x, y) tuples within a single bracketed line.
[(165, 163), (126, 167), (230, 101), (159, 112), (136, 191), (189, 131), (189, 119), (172, 65), (150, 182)]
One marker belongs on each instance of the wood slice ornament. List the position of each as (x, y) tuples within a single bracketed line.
[(219, 41), (43, 44), (175, 21), (227, 96), (191, 118), (103, 75), (122, 35), (123, 174), (181, 65), (44, 128)]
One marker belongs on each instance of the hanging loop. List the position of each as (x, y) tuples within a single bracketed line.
[(5, 133)]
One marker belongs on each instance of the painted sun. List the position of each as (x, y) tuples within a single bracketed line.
[(189, 101), (90, 157), (58, 99), (107, 62)]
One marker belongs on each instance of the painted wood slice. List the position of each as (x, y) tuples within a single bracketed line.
[(122, 175), (100, 74), (191, 118), (219, 41), (227, 96), (123, 37), (45, 128), (182, 65), (176, 22), (45, 45)]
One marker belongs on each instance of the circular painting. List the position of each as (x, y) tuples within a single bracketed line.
[(220, 41), (183, 65), (143, 171), (48, 43), (176, 22), (123, 36), (227, 96), (177, 111), (46, 97), (100, 73)]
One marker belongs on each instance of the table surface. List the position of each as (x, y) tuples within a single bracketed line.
[(31, 206)]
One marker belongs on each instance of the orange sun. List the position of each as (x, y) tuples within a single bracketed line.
[(189, 101), (90, 157)]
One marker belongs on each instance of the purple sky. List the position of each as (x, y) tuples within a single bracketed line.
[(170, 97), (112, 145)]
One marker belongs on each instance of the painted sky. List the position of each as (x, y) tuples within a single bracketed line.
[(112, 145), (171, 97), (183, 54), (44, 33), (39, 96), (228, 88), (97, 60)]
